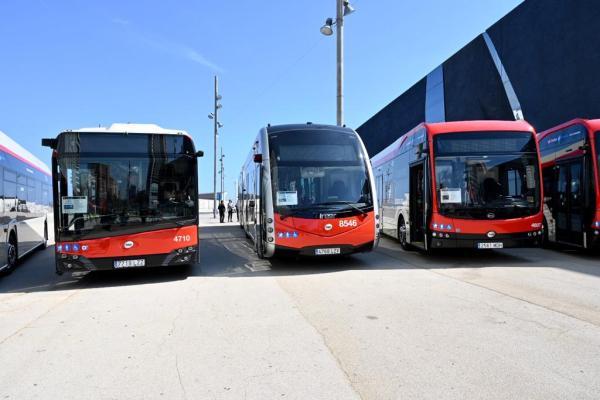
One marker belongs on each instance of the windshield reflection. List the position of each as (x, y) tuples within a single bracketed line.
[(101, 195)]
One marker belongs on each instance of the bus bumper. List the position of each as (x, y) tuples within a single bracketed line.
[(311, 251), (481, 241), (75, 263)]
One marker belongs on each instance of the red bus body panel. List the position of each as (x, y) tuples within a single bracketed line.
[(500, 226), (325, 232), (144, 244)]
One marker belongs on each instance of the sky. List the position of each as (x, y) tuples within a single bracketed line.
[(67, 64)]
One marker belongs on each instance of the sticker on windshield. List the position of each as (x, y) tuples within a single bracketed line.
[(530, 176), (74, 204), (289, 198), (450, 196)]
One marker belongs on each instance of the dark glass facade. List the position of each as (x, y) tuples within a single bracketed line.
[(548, 49)]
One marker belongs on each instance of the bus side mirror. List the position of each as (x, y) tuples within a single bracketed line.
[(258, 158), (199, 153), (49, 143)]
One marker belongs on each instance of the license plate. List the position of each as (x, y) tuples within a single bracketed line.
[(328, 251), (490, 245), (129, 263)]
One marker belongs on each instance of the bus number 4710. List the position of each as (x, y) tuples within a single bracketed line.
[(182, 238)]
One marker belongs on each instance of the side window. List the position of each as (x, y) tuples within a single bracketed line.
[(21, 189), (10, 191)]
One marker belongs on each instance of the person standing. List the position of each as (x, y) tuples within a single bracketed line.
[(230, 211), (221, 212)]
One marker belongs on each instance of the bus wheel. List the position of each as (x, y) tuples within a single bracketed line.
[(402, 234), (12, 253), (545, 239), (260, 247), (45, 245)]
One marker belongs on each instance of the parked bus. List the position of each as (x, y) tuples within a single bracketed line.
[(25, 202), (308, 190), (472, 184), (569, 155), (124, 197)]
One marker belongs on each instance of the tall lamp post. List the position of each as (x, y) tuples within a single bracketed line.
[(222, 172), (215, 117), (343, 8)]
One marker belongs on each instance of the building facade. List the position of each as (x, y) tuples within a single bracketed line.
[(540, 63)]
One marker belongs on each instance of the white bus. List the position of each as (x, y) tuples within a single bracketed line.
[(25, 202)]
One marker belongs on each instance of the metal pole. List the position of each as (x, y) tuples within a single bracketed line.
[(216, 138), (222, 174), (340, 61)]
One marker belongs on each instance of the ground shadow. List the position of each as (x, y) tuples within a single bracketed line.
[(225, 252)]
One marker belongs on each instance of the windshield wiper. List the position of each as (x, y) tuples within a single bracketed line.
[(361, 211)]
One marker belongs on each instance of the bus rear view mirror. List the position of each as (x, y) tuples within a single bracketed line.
[(199, 153), (49, 143), (258, 158)]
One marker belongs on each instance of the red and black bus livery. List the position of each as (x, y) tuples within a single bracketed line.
[(472, 184), (308, 190), (124, 197), (569, 154)]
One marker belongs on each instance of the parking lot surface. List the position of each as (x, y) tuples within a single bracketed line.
[(391, 324)]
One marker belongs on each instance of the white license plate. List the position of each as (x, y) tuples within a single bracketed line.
[(326, 252), (129, 263), (490, 245)]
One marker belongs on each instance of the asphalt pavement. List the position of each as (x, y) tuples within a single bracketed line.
[(521, 323)]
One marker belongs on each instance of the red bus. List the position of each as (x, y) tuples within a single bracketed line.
[(124, 197), (472, 184), (308, 190), (569, 155)]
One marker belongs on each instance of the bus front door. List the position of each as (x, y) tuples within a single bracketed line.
[(570, 199), (417, 204)]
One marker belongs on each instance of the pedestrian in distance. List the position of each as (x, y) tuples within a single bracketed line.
[(221, 212), (230, 211), (237, 211)]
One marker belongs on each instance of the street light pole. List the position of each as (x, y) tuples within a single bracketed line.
[(342, 9), (222, 173), (216, 138), (340, 61), (215, 117)]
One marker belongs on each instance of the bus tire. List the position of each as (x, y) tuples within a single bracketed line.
[(12, 252), (260, 248), (45, 243), (402, 234), (545, 236)]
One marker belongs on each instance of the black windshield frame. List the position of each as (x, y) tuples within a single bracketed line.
[(126, 192), (325, 171), (500, 175)]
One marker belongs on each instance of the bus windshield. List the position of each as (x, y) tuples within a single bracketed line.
[(487, 175), (318, 170), (139, 186)]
